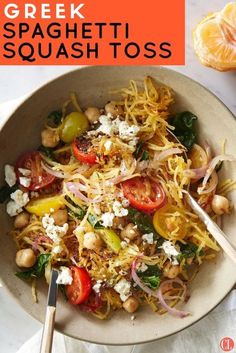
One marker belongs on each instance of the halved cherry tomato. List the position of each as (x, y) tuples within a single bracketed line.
[(44, 205), (39, 177), (80, 288), (144, 194), (81, 148)]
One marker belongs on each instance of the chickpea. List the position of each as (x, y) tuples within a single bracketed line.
[(220, 204), (25, 258), (113, 109), (92, 114), (22, 220), (131, 304), (50, 138), (60, 217), (171, 271), (130, 232), (92, 241)]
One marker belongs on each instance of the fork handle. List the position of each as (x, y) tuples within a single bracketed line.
[(48, 329)]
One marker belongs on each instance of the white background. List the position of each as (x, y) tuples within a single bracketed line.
[(16, 326)]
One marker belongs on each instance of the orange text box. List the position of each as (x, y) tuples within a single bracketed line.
[(92, 32)]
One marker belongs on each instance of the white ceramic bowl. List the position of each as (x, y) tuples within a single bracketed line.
[(22, 133)]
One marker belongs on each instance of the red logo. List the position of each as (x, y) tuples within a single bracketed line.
[(227, 344)]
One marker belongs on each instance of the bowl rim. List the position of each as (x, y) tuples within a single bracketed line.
[(28, 97)]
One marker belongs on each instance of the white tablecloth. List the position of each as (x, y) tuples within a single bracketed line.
[(204, 336)]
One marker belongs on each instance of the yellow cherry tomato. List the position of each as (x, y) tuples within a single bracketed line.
[(111, 239), (73, 125), (168, 222), (45, 205)]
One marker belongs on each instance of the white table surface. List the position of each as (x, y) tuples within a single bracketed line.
[(15, 325)]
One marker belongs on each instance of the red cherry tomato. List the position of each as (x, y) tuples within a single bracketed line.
[(81, 148), (80, 288), (39, 177), (144, 194)]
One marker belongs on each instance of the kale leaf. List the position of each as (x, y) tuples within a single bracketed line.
[(189, 250), (5, 192), (151, 277), (55, 118), (142, 221), (37, 270), (185, 131), (94, 222), (140, 153), (47, 151), (79, 213)]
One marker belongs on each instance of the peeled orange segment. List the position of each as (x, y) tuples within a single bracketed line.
[(229, 14), (215, 39)]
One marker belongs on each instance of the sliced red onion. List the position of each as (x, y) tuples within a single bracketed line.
[(74, 188), (195, 174), (207, 148), (213, 164), (212, 185), (198, 173), (138, 281), (56, 173), (172, 311), (158, 157), (158, 293), (121, 178), (211, 169)]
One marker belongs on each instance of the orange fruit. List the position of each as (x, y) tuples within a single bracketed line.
[(214, 39)]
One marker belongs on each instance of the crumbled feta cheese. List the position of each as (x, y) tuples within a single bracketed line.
[(143, 267), (20, 197), (110, 127), (170, 251), (123, 288), (107, 126), (97, 286), (125, 202), (19, 200), (54, 232), (57, 249), (148, 238), (119, 211), (123, 244), (126, 131), (13, 209), (24, 181), (108, 145), (107, 219), (64, 276), (10, 175), (25, 172)]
